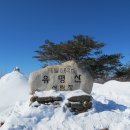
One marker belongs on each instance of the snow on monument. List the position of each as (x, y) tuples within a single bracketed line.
[(65, 77)]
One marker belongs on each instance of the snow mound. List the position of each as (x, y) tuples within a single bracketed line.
[(114, 90), (13, 88), (111, 109)]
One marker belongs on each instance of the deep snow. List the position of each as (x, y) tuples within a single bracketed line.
[(13, 88), (111, 107)]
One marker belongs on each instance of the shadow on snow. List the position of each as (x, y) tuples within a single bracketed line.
[(110, 106)]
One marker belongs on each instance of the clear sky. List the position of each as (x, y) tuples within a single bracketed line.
[(25, 24)]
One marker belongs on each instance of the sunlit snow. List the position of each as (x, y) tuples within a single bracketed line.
[(111, 107)]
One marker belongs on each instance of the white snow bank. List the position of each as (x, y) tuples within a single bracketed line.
[(64, 94), (13, 88), (114, 90), (111, 109)]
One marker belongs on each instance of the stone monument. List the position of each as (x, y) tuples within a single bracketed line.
[(65, 77), (68, 76)]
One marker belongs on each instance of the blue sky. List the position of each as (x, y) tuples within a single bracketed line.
[(25, 24)]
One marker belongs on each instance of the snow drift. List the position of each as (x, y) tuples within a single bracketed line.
[(13, 88), (111, 107), (114, 90)]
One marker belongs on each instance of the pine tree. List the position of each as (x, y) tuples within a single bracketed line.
[(123, 73), (82, 49)]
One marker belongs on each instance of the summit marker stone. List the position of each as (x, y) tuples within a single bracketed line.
[(65, 77)]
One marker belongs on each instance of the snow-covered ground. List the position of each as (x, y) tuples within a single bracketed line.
[(111, 107), (13, 88)]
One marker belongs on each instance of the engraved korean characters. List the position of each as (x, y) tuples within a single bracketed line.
[(67, 76), (61, 77)]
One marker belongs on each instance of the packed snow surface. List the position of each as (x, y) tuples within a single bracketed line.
[(13, 88), (111, 108)]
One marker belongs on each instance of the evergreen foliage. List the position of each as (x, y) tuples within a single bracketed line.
[(123, 73), (83, 49)]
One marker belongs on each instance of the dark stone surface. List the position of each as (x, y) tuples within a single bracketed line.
[(79, 104), (33, 99), (87, 105), (76, 104), (1, 123), (44, 100), (104, 129), (81, 98)]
